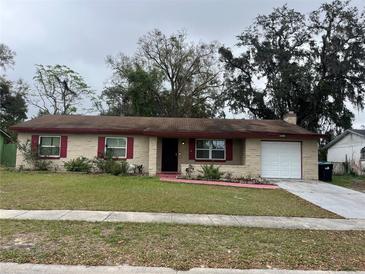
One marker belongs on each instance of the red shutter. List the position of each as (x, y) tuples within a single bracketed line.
[(63, 153), (130, 143), (101, 146), (191, 149), (229, 149), (34, 145)]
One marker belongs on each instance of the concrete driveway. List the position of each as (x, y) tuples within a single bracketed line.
[(342, 201)]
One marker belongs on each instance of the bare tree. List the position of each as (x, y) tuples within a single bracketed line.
[(6, 56), (190, 79), (58, 89)]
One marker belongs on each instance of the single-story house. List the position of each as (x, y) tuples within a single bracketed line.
[(348, 147), (267, 148)]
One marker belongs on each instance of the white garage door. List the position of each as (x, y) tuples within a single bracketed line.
[(281, 160)]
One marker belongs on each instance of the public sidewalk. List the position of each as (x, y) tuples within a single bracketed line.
[(13, 268), (177, 218)]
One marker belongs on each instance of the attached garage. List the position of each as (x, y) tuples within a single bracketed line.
[(281, 160)]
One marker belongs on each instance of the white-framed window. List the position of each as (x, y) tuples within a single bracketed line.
[(116, 147), (362, 153), (49, 146), (208, 149)]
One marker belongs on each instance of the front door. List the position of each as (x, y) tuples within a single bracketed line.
[(169, 154)]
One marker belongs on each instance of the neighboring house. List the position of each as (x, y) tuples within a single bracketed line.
[(348, 147), (7, 150), (267, 148)]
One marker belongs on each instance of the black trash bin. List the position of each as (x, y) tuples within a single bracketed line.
[(325, 171)]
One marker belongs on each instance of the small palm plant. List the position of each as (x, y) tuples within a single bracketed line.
[(211, 172)]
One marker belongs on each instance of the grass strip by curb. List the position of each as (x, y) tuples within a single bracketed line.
[(179, 246)]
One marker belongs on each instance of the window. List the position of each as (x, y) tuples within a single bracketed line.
[(362, 153), (116, 147), (210, 150), (49, 146)]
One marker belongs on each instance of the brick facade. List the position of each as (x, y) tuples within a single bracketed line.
[(310, 159), (87, 145), (147, 152)]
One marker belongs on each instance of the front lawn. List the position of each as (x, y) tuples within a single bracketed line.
[(32, 190), (349, 181), (179, 246)]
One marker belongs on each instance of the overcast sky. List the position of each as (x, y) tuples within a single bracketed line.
[(80, 33)]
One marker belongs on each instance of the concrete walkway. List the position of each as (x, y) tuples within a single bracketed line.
[(342, 201), (177, 218), (13, 268)]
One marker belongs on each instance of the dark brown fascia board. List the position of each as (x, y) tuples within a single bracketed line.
[(182, 134)]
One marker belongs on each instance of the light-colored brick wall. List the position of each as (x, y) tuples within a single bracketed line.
[(253, 157), (246, 153), (152, 156), (86, 145), (310, 159), (159, 154), (235, 171), (183, 149), (243, 152), (147, 151), (251, 160)]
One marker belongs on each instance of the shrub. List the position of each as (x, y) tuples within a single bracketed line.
[(80, 164), (135, 169), (103, 165), (43, 165), (228, 176), (112, 166), (211, 172), (349, 167), (115, 169), (124, 167), (189, 171), (140, 169), (118, 168), (32, 159)]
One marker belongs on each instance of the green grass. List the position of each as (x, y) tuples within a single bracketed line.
[(349, 181), (32, 190), (179, 246)]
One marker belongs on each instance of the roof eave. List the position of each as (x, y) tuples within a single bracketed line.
[(340, 137), (181, 134)]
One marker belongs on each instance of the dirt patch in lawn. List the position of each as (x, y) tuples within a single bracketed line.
[(182, 246), (354, 182), (358, 184), (20, 241)]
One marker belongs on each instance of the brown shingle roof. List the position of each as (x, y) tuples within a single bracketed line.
[(156, 126)]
